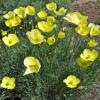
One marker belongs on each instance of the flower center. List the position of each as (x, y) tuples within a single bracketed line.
[(7, 84), (34, 67), (10, 41), (87, 57), (70, 83)]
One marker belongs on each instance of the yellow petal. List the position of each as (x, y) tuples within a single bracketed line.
[(20, 12), (61, 11), (42, 14), (89, 55), (71, 81), (15, 21), (76, 18), (10, 40), (8, 23), (61, 35), (92, 43), (35, 36), (3, 33), (29, 61), (28, 71), (11, 86), (51, 6), (33, 65), (94, 29), (5, 79), (82, 63), (51, 19), (46, 26), (9, 15), (30, 10), (82, 30), (8, 83), (51, 40)]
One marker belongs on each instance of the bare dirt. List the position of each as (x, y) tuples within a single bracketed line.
[(90, 8), (92, 93)]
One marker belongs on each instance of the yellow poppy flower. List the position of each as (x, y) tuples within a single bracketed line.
[(46, 26), (89, 55), (61, 35), (3, 33), (30, 10), (8, 83), (10, 40), (51, 40), (92, 43), (8, 23), (42, 14), (82, 30), (33, 65), (61, 12), (71, 81), (20, 12), (76, 18), (13, 22), (9, 15), (51, 6), (51, 19), (83, 63), (94, 29), (35, 36)]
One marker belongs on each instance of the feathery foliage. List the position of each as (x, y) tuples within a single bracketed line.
[(57, 61)]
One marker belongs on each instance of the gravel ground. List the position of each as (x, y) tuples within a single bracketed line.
[(92, 93)]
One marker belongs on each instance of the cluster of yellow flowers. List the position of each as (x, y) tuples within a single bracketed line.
[(87, 57), (47, 24), (84, 29), (13, 18)]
